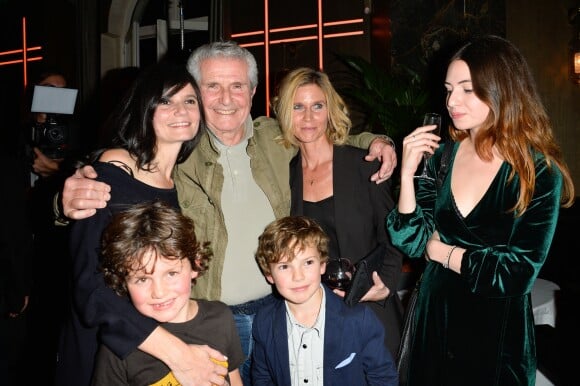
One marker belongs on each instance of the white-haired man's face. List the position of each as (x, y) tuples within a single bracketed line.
[(227, 97)]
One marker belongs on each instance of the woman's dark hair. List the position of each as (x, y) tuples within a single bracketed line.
[(518, 121), (133, 119)]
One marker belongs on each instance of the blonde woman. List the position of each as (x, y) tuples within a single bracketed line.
[(329, 182)]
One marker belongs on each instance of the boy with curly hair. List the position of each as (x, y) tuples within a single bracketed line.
[(150, 254)]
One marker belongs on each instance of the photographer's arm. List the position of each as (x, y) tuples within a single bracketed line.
[(82, 195), (43, 165)]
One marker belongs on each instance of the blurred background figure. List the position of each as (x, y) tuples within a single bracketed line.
[(114, 84), (15, 270), (48, 151)]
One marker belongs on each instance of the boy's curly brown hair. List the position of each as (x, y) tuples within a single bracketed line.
[(145, 227)]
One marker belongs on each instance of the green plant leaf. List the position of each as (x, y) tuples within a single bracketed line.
[(390, 102)]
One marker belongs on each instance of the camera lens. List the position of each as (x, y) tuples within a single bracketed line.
[(56, 134)]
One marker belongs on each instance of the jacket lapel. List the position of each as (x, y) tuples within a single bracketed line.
[(333, 327), (281, 343)]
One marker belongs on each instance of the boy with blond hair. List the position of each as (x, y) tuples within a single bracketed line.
[(310, 335)]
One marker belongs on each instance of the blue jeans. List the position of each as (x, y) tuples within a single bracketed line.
[(244, 317)]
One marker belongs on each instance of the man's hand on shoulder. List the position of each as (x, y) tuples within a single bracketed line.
[(82, 195), (383, 149)]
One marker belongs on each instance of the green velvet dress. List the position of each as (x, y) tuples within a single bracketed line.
[(477, 327)]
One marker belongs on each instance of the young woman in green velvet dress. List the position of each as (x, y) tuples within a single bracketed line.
[(487, 229)]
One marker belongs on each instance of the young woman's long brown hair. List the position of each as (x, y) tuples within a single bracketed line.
[(518, 124)]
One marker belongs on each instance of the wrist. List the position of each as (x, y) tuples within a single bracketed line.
[(166, 347), (447, 259), (59, 217), (388, 140)]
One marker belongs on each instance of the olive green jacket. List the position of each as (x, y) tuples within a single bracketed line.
[(199, 182)]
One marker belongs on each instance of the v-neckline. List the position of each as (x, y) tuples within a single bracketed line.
[(481, 199)]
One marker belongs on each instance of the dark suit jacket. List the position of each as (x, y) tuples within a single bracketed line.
[(361, 207), (354, 353)]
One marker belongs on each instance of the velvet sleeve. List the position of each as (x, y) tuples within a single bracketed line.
[(410, 231)]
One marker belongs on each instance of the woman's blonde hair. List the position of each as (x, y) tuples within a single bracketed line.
[(339, 123)]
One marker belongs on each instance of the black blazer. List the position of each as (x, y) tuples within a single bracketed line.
[(361, 207)]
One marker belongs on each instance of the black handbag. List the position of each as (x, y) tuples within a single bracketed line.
[(407, 336), (362, 280)]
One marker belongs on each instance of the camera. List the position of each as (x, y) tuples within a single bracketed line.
[(53, 136)]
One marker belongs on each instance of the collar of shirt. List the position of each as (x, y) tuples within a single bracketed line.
[(248, 133), (306, 347)]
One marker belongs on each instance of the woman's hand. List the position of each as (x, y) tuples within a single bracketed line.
[(377, 292), (420, 141)]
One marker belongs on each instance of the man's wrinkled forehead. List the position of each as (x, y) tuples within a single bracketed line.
[(225, 66)]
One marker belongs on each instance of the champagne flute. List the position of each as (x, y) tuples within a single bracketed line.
[(429, 119)]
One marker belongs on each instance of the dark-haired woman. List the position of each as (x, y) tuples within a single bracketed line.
[(487, 230), (158, 124)]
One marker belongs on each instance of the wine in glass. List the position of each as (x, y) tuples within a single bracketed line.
[(429, 119), (338, 274)]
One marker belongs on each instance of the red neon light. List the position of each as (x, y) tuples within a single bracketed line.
[(19, 51), (247, 34), (311, 37), (338, 35), (289, 40), (267, 55), (298, 27), (24, 61), (320, 52), (320, 36), (33, 59), (342, 22), (24, 52)]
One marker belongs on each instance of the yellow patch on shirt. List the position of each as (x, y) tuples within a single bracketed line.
[(169, 379)]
